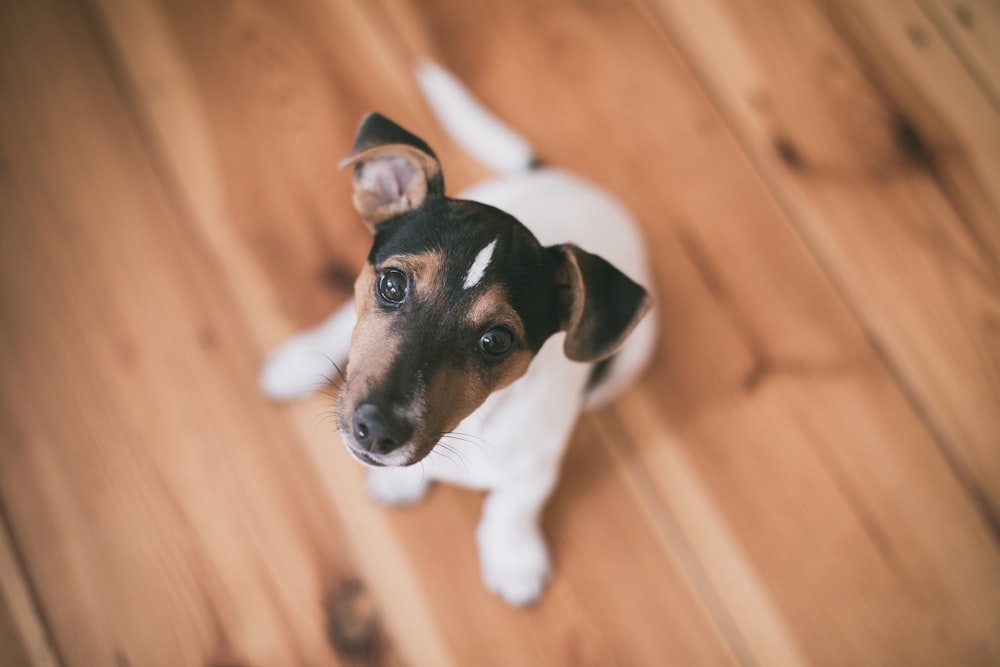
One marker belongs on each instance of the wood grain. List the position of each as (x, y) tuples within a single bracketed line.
[(734, 279), (807, 475), (164, 514), (972, 30), (24, 640), (957, 124), (570, 624), (864, 167)]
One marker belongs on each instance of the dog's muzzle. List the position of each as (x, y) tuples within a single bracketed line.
[(376, 434)]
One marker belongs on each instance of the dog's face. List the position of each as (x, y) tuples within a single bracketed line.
[(456, 299)]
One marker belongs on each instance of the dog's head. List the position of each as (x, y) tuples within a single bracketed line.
[(454, 302)]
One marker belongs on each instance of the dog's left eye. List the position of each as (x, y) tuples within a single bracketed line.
[(496, 343), (392, 286)]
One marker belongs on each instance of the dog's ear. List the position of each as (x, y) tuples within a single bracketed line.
[(599, 305), (394, 171)]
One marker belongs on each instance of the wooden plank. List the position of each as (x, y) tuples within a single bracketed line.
[(972, 29), (693, 524), (619, 595), (13, 651), (766, 496), (769, 421), (275, 75), (306, 270), (928, 84), (866, 173), (164, 514), (201, 112), (23, 638)]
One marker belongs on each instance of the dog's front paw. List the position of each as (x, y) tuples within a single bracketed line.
[(294, 370), (515, 568), (398, 486)]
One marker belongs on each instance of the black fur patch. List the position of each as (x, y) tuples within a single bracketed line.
[(377, 130), (599, 372), (459, 230)]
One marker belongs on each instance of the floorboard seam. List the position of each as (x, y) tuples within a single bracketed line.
[(684, 552), (977, 496), (34, 596)]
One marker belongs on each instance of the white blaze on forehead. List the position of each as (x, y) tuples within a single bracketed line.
[(479, 266)]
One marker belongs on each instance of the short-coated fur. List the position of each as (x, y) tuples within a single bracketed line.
[(448, 283)]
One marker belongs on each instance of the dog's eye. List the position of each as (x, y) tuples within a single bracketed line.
[(392, 286), (496, 343)]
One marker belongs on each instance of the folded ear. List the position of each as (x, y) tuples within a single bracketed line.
[(394, 171), (599, 305)]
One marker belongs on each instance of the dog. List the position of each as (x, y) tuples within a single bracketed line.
[(481, 326)]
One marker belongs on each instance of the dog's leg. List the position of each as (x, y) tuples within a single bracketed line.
[(398, 486), (512, 551), (305, 362)]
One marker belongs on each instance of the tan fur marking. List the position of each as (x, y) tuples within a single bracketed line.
[(514, 367), (373, 345), (424, 271), (371, 340), (454, 392), (492, 307)]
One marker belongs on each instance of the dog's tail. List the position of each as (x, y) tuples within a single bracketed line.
[(474, 128)]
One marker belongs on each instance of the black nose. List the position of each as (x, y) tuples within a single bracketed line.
[(379, 432)]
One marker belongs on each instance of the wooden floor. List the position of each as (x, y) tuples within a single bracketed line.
[(808, 475)]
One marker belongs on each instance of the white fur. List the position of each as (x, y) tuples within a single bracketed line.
[(473, 127), (513, 444), (479, 266), (304, 363)]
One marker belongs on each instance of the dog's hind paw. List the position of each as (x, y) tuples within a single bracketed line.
[(398, 486), (516, 570)]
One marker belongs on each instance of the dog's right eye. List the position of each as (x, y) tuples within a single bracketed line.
[(496, 343), (391, 287)]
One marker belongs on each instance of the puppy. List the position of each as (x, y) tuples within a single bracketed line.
[(480, 327)]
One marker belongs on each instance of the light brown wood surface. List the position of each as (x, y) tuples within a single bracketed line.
[(808, 474)]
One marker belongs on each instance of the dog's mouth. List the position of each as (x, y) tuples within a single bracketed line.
[(395, 459), (365, 457), (380, 433), (407, 454)]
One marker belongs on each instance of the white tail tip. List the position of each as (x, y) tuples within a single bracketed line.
[(472, 126)]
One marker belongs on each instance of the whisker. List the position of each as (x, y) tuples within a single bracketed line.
[(451, 440), (330, 389), (326, 381), (323, 417), (330, 395), (445, 452), (452, 451), (333, 363), (482, 445), (472, 438), (442, 454), (460, 438)]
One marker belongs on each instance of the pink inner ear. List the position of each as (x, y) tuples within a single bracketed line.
[(387, 178)]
